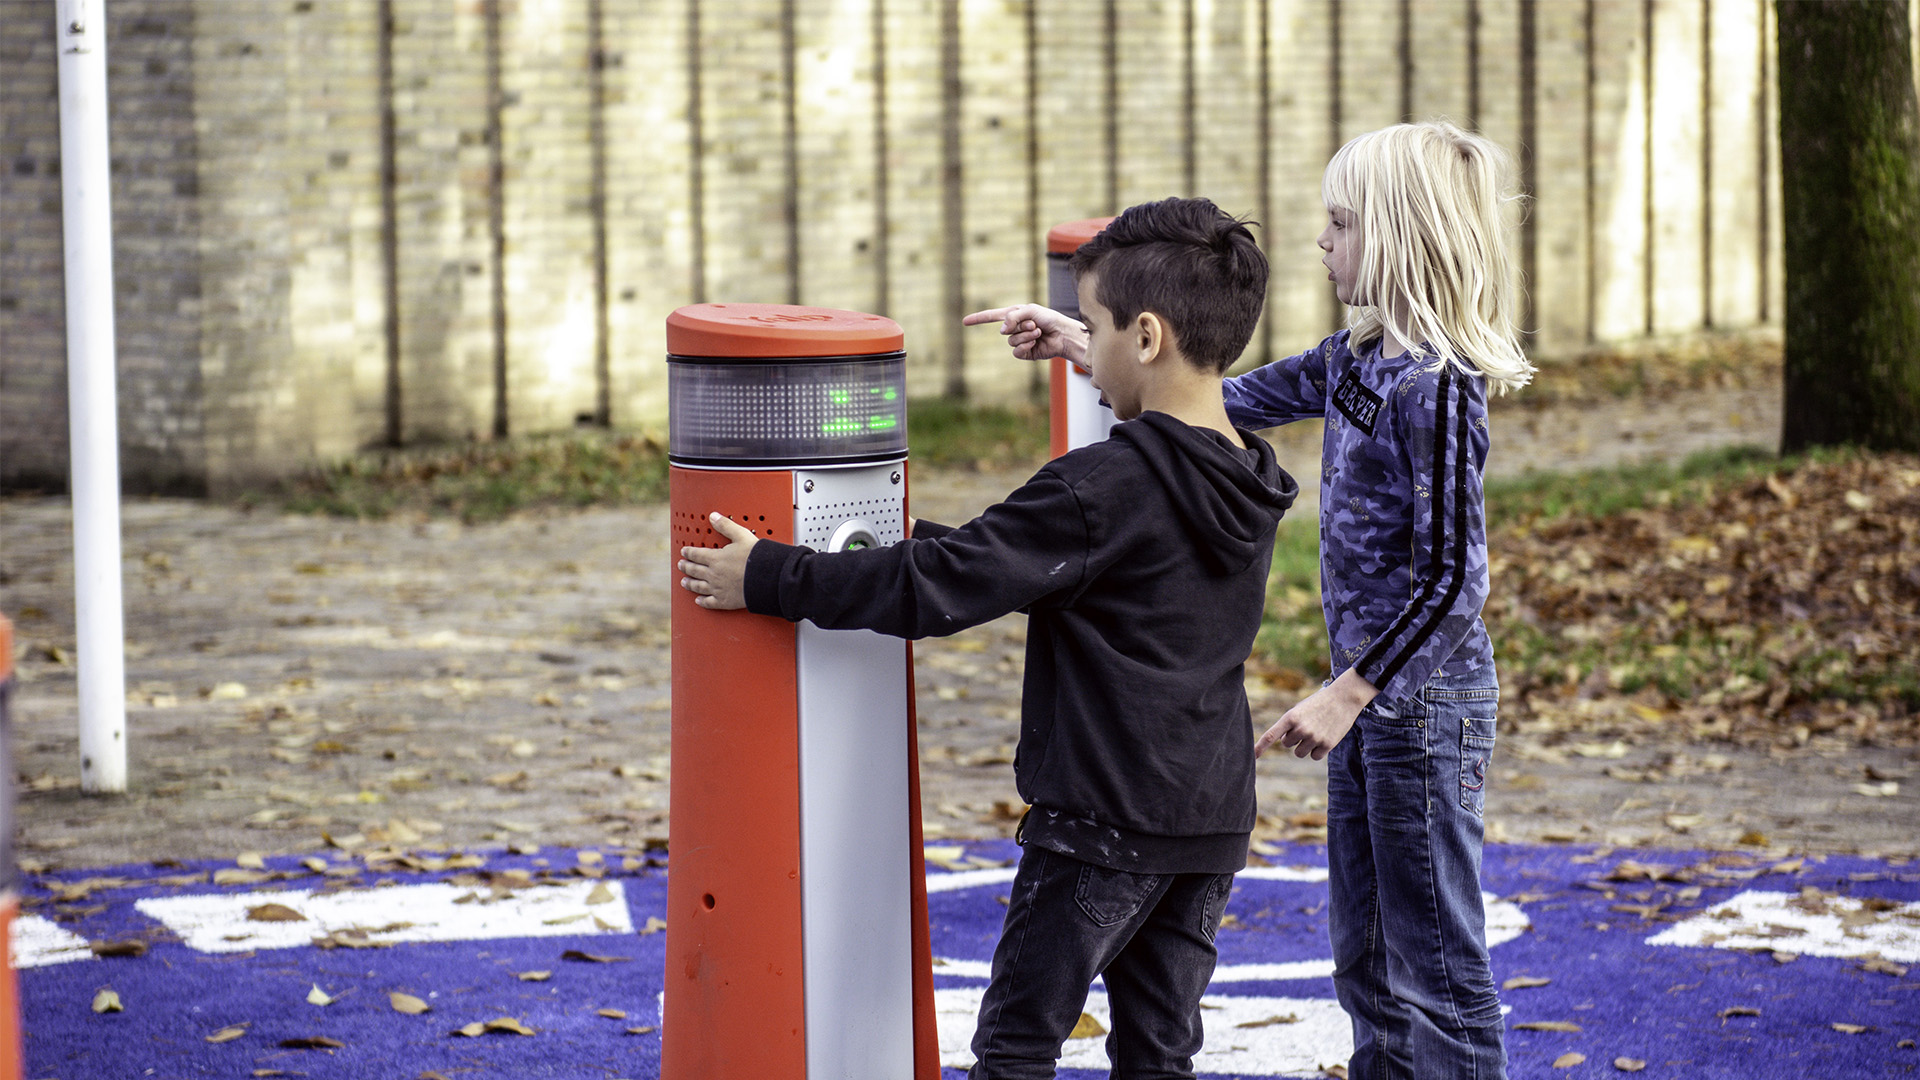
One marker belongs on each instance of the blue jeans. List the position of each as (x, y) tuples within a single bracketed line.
[(1150, 935), (1405, 794)]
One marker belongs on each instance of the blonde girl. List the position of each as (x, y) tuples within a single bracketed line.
[(1416, 247)]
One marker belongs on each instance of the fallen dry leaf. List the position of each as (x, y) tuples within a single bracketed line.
[(600, 894), (1523, 982), (313, 1042), (1569, 1059), (1270, 1021), (640, 1030), (654, 925), (1737, 1010), (106, 1001), (1087, 1028), (250, 860), (229, 875), (1847, 1029), (592, 958), (612, 1014), (1548, 1025), (1627, 1064), (227, 1034), (1884, 966), (533, 976), (274, 913), (317, 996), (129, 947), (407, 1003)]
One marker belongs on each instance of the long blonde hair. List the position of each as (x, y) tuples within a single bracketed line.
[(1433, 204)]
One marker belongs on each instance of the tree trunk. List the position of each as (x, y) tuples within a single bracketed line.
[(1850, 194)]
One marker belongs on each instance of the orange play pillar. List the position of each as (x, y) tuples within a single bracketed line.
[(11, 1060), (797, 942), (1077, 417)]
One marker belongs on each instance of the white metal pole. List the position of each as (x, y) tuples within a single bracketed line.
[(93, 415)]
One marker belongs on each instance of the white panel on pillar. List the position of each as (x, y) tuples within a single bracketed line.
[(855, 855)]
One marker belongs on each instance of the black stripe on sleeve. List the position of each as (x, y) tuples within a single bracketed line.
[(1455, 573)]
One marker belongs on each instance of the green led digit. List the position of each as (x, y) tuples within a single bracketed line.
[(883, 423)]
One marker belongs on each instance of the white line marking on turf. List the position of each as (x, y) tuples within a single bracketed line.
[(1289, 971), (1282, 873), (218, 923), (969, 879), (1317, 1036), (1830, 926), (38, 942)]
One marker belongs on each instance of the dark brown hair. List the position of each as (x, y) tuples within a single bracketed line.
[(1187, 261)]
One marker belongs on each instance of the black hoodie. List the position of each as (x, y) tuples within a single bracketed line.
[(1142, 562)]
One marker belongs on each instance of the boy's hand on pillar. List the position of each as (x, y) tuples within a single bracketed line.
[(1034, 332), (1317, 724), (717, 576)]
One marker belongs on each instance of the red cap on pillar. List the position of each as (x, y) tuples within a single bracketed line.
[(1065, 239), (760, 331)]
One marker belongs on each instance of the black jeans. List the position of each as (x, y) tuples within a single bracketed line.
[(1150, 935)]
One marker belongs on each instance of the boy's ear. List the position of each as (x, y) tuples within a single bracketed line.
[(1151, 335)]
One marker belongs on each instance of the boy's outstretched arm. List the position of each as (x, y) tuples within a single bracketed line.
[(1034, 332), (1316, 725), (717, 576)]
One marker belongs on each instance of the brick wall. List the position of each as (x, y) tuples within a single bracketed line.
[(544, 214)]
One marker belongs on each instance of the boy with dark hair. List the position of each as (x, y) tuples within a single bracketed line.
[(1142, 562)]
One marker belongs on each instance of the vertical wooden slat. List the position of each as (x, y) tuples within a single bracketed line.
[(1587, 160), (696, 157), (597, 167), (1403, 49), (952, 205), (1189, 103), (1706, 163), (1647, 234), (882, 178), (1529, 170), (1473, 64), (790, 148), (1763, 128), (1336, 124), (497, 215), (390, 229)]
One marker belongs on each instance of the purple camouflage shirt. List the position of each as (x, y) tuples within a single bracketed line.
[(1403, 539)]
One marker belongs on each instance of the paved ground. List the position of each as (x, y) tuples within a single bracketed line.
[(296, 682)]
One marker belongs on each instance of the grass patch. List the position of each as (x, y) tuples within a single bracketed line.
[(942, 432), (1547, 496), (486, 481)]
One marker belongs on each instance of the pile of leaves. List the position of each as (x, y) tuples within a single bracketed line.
[(1775, 607)]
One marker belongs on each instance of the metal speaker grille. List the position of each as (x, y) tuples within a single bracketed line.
[(794, 412)]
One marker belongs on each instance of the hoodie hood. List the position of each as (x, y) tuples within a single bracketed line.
[(1229, 506)]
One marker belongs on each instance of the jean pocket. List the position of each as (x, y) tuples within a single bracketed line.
[(1110, 897), (1215, 908), (1476, 753)]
